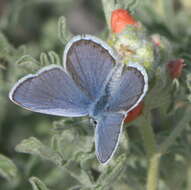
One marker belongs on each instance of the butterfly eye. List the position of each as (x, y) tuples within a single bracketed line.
[(93, 121)]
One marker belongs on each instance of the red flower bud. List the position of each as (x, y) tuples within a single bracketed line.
[(136, 112), (175, 68), (120, 18)]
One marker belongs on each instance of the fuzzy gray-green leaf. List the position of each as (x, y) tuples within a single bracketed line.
[(8, 169), (63, 32), (33, 146), (37, 184)]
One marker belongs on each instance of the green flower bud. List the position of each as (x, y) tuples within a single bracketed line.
[(133, 45)]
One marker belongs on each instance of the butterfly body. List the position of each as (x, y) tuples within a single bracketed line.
[(93, 82)]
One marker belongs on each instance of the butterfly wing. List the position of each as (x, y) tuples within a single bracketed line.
[(89, 61), (129, 89), (107, 135), (50, 91)]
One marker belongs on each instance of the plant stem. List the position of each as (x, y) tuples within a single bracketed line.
[(153, 172), (108, 7), (148, 136), (160, 5), (189, 176)]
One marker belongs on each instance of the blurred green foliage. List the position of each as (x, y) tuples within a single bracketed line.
[(59, 152)]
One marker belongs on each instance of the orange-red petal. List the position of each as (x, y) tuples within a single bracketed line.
[(119, 19), (136, 112)]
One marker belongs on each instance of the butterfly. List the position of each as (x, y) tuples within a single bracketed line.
[(92, 82)]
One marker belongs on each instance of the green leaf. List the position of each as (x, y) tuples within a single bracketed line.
[(5, 47), (74, 169), (179, 125), (72, 142), (110, 174), (37, 184), (49, 58), (28, 63), (108, 7), (54, 58), (8, 169), (44, 60), (34, 146), (63, 33)]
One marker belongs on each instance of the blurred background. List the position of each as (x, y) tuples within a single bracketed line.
[(30, 27)]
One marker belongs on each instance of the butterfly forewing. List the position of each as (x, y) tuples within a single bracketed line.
[(129, 90), (51, 91), (107, 135), (89, 61)]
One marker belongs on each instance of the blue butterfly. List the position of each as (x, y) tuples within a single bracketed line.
[(93, 82)]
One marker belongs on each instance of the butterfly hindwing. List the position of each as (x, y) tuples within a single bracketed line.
[(107, 135), (129, 89)]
